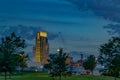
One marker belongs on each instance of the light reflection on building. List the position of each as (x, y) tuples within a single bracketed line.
[(41, 48)]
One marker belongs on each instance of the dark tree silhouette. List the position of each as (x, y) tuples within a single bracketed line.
[(9, 47), (22, 58), (90, 63), (109, 56), (57, 64)]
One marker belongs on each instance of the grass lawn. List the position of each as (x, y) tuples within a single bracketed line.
[(45, 76)]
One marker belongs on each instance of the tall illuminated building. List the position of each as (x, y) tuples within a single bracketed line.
[(41, 47)]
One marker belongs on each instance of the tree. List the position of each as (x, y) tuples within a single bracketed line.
[(57, 64), (22, 58), (9, 47), (109, 56), (90, 63)]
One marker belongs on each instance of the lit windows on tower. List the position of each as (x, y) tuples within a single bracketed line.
[(41, 48)]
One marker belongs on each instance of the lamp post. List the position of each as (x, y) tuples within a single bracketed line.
[(60, 50)]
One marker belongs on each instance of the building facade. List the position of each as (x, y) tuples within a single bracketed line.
[(41, 47)]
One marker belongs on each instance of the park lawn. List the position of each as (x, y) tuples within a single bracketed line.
[(45, 76)]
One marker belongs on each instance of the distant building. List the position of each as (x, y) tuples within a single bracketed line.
[(41, 48), (69, 60)]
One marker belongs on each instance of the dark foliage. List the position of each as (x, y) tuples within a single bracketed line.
[(90, 63), (10, 46), (110, 56), (57, 65)]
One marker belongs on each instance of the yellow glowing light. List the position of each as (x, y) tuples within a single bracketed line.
[(44, 34)]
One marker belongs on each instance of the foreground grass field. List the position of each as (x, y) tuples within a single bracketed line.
[(45, 76)]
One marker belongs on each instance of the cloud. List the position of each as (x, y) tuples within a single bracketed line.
[(58, 22), (2, 20), (108, 9), (52, 36), (21, 30), (26, 32), (113, 29)]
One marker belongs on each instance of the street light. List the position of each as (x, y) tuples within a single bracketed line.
[(58, 50)]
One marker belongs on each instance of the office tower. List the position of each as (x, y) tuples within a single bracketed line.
[(41, 47)]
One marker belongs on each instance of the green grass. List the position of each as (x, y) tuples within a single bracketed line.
[(45, 76)]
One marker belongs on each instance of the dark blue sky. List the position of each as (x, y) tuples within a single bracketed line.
[(77, 25)]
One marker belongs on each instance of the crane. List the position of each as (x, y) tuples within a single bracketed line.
[(61, 39)]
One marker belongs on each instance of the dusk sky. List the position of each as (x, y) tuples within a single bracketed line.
[(76, 25)]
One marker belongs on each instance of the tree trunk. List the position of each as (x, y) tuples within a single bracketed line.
[(115, 76), (60, 77), (92, 72), (9, 75), (5, 76), (22, 70)]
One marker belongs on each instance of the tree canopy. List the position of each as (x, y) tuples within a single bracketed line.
[(57, 64), (109, 56), (10, 46), (90, 63)]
